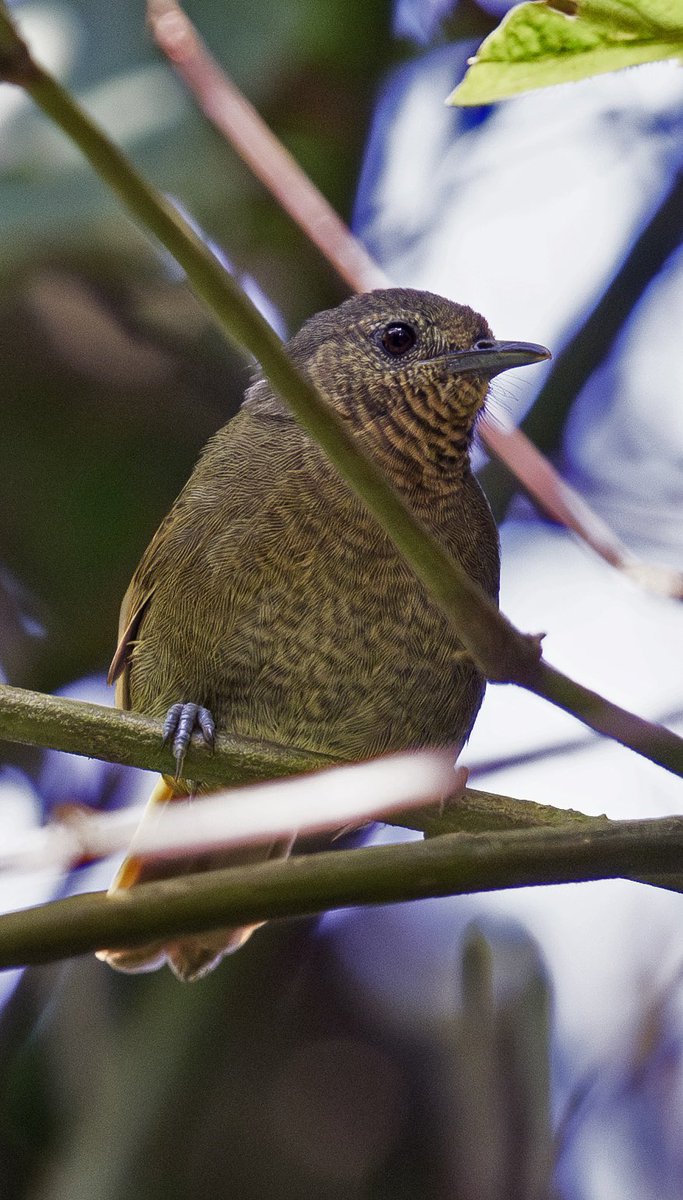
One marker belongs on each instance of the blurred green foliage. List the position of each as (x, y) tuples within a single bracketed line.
[(270, 1079), (541, 45)]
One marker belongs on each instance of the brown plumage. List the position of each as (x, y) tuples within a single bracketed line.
[(272, 598)]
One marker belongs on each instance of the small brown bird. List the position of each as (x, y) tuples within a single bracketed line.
[(271, 602)]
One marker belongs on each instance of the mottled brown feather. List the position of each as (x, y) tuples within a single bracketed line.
[(271, 596)]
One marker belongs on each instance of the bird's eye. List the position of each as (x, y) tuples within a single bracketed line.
[(398, 338)]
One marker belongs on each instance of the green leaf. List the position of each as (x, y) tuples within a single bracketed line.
[(543, 43)]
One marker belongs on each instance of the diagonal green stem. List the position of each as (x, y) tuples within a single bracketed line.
[(524, 844), (501, 651)]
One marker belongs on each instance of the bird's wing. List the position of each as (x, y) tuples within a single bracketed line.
[(266, 475), (132, 611)]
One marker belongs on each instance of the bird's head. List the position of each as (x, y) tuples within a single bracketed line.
[(409, 371)]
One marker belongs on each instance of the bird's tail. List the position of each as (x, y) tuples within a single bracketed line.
[(194, 955)]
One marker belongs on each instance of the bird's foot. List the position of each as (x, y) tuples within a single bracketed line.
[(181, 722)]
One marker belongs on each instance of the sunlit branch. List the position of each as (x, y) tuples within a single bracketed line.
[(327, 802), (91, 730)]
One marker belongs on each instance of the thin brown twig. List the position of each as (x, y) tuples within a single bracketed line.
[(231, 113), (238, 121), (566, 506)]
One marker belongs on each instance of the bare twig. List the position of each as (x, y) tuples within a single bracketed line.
[(91, 730), (34, 719)]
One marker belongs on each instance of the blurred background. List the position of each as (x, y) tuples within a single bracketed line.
[(519, 1045)]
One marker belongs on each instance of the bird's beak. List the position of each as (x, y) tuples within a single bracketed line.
[(491, 357)]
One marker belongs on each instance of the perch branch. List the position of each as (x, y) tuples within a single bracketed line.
[(341, 797), (91, 730)]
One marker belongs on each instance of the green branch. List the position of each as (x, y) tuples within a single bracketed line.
[(34, 719), (446, 866), (91, 730), (502, 652), (498, 842)]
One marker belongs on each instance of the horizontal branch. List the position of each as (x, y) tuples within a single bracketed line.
[(455, 864), (476, 811), (562, 845), (94, 731), (34, 719), (503, 653), (341, 797)]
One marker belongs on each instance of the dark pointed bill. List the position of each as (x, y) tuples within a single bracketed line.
[(493, 357)]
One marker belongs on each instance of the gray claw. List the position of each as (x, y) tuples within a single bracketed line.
[(171, 721), (181, 721), (207, 726)]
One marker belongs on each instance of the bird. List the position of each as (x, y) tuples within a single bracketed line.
[(272, 604)]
